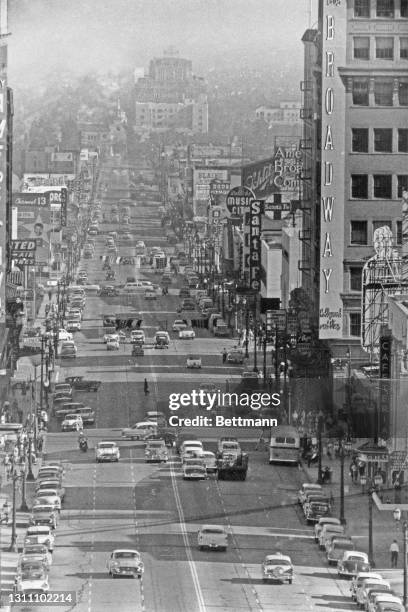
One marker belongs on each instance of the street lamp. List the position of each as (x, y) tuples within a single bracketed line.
[(30, 476), (15, 476), (373, 483), (397, 517), (344, 448), (320, 446)]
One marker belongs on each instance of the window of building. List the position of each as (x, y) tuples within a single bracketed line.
[(383, 140), (355, 324), (383, 186), (358, 232), (403, 93), (402, 184), (361, 8), (403, 140), (356, 275), (359, 186), (384, 47), (403, 47), (385, 8), (360, 92), (399, 232), (383, 92), (404, 8), (359, 142), (378, 224), (361, 47)]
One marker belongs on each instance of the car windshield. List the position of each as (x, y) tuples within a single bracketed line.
[(195, 470), (277, 560), (213, 530), (33, 574), (342, 545), (127, 555), (101, 445), (354, 558), (155, 444)]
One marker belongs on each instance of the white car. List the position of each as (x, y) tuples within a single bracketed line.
[(193, 361), (186, 334), (72, 422), (277, 567), (112, 344), (42, 534), (194, 472), (107, 451), (140, 431), (137, 336), (38, 550), (125, 562), (210, 461), (74, 325), (111, 336), (178, 325), (140, 244), (63, 334), (306, 488), (52, 500), (35, 580)]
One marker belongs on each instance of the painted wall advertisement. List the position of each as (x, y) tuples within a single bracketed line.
[(203, 177), (332, 174), (278, 174), (39, 219)]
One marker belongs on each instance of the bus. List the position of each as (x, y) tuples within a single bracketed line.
[(284, 445)]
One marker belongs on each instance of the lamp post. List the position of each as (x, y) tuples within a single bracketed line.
[(246, 329), (343, 447), (15, 477), (397, 517), (23, 507), (319, 441), (373, 483), (30, 476)]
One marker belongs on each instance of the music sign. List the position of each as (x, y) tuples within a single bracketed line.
[(239, 200)]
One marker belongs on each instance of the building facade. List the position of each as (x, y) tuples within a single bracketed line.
[(355, 110)]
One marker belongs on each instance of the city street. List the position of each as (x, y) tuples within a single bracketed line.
[(132, 504)]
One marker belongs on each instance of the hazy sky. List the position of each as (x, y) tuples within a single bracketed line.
[(81, 35)]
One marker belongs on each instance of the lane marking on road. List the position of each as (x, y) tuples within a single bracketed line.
[(184, 533), (238, 551)]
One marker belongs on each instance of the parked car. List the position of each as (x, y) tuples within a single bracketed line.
[(44, 514), (335, 550), (236, 356), (87, 415), (43, 534), (73, 325), (352, 563)]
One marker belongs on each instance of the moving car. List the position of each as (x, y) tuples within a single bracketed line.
[(107, 451), (162, 337), (179, 324), (110, 335), (112, 344), (277, 567), (194, 472), (140, 431), (352, 563), (210, 461), (213, 537), (156, 451), (187, 334), (236, 356), (125, 562), (193, 361), (83, 384), (64, 334), (72, 422), (137, 336)]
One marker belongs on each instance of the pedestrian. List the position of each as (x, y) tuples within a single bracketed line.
[(330, 450), (353, 472), (146, 387), (50, 295), (224, 355), (40, 443), (394, 550)]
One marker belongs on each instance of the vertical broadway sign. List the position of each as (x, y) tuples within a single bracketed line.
[(332, 172)]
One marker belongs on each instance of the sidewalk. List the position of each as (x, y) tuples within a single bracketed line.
[(356, 510)]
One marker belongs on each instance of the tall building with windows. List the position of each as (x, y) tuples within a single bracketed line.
[(355, 118)]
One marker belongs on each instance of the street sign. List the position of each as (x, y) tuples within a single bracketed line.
[(273, 207), (23, 250), (276, 319), (398, 460), (239, 200)]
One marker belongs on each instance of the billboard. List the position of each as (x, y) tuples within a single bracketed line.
[(332, 171), (277, 174), (39, 216), (202, 179)]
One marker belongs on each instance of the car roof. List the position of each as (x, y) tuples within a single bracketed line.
[(127, 550), (355, 553), (277, 557), (220, 527), (107, 442)]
